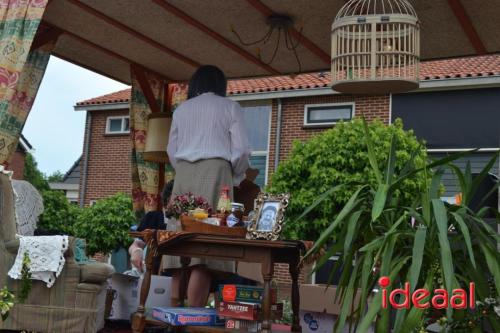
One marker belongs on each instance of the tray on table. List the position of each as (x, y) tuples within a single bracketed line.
[(191, 224)]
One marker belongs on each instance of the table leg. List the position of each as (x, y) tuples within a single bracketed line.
[(267, 274), (294, 274), (184, 280)]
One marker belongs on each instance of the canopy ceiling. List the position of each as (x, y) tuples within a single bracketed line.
[(173, 37)]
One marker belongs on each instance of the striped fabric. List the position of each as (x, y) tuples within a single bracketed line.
[(209, 126)]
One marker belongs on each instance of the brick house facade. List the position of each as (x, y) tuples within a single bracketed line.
[(106, 158), (108, 168), (292, 121)]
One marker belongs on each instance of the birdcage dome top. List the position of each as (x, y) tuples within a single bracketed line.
[(354, 8)]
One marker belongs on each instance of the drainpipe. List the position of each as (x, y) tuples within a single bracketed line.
[(86, 147), (278, 136)]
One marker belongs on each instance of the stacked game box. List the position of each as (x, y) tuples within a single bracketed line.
[(188, 316), (241, 307)]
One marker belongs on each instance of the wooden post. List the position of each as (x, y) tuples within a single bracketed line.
[(165, 107)]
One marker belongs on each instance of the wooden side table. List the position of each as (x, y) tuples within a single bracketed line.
[(267, 253)]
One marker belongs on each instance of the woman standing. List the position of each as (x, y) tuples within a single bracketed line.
[(208, 144), (208, 148)]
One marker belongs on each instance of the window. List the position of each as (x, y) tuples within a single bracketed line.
[(257, 119), (327, 114), (118, 125)]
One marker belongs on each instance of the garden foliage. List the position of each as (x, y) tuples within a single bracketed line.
[(419, 239), (340, 156), (59, 215), (105, 225)]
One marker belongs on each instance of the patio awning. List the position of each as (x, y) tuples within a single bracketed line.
[(173, 37)]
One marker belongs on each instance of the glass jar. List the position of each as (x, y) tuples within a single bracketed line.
[(235, 219)]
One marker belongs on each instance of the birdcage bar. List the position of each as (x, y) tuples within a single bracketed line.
[(375, 47)]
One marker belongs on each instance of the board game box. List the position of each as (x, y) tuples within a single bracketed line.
[(247, 311), (188, 316), (241, 293)]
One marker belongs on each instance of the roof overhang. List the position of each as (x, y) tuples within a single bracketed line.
[(173, 37), (102, 107), (425, 86)]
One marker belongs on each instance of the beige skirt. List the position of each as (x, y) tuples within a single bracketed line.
[(203, 178)]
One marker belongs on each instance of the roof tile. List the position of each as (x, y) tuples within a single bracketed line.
[(474, 66)]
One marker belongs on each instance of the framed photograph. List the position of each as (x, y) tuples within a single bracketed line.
[(269, 215)]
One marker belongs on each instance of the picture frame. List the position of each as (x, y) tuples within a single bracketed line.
[(267, 221)]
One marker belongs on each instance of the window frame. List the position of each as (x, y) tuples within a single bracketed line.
[(307, 107), (266, 153), (122, 131)]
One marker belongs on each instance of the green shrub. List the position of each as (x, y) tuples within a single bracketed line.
[(339, 156), (105, 225), (59, 215)]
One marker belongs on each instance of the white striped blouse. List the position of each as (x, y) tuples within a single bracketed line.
[(210, 126)]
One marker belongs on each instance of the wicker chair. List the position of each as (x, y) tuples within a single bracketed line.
[(71, 304)]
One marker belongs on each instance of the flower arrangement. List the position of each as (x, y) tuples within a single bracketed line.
[(181, 204)]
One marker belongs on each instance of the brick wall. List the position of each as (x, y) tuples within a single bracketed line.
[(292, 118), (108, 168), (16, 164)]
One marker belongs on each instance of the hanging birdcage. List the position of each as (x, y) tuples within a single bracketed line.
[(375, 47)]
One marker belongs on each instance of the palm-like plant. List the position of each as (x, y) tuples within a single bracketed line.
[(430, 244)]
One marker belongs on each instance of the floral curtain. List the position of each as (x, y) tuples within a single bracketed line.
[(145, 177), (21, 71)]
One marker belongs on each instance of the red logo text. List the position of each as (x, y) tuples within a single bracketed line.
[(423, 299)]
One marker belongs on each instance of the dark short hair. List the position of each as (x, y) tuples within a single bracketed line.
[(167, 192), (207, 78)]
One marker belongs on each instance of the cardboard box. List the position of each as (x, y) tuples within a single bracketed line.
[(318, 311), (128, 289), (187, 316), (242, 293)]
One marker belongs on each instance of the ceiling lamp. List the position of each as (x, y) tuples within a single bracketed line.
[(282, 24), (375, 47)]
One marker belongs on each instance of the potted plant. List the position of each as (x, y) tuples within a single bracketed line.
[(425, 242), (182, 204)]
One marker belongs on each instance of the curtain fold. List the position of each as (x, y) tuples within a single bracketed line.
[(145, 175), (21, 71)]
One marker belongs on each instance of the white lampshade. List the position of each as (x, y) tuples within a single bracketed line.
[(157, 137)]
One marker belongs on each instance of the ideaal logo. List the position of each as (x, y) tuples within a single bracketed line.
[(419, 298)]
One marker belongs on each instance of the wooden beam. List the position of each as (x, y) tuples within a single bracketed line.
[(77, 63), (306, 42), (43, 37), (142, 79), (134, 33), (465, 22), (203, 28), (106, 51)]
